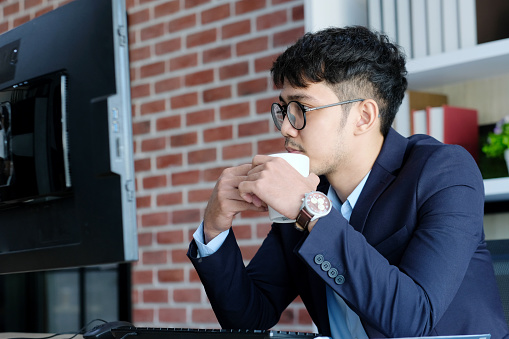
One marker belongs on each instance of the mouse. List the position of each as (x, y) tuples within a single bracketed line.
[(103, 331)]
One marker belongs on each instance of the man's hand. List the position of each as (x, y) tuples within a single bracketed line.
[(276, 183), (226, 202)]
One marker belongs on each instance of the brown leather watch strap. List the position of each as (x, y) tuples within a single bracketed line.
[(302, 220)]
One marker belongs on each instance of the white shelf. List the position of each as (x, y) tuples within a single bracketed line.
[(481, 61), (496, 189)]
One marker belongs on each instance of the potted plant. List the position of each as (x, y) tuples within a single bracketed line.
[(497, 144)]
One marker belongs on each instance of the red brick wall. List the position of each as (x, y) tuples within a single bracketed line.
[(201, 93)]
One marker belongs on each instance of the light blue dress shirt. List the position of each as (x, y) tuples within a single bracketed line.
[(344, 323)]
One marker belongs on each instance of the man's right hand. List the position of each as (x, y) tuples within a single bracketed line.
[(226, 202)]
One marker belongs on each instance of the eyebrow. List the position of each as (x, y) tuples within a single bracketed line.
[(296, 97)]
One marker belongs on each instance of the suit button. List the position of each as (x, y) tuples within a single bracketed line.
[(339, 279), (326, 266), (319, 259), (333, 273)]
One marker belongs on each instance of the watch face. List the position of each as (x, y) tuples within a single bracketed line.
[(318, 203)]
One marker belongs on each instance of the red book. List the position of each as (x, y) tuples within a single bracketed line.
[(454, 125)]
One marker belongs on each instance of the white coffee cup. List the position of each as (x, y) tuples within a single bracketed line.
[(301, 163)]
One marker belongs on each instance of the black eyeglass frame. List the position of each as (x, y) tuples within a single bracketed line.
[(304, 109)]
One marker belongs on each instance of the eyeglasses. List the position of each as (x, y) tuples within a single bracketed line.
[(296, 113)]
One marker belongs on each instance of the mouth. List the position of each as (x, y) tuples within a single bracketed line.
[(292, 148)]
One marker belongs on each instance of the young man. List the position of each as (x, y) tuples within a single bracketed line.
[(401, 253)]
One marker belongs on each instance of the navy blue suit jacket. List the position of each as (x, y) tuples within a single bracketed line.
[(411, 262)]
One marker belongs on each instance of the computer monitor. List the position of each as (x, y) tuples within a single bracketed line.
[(67, 193)]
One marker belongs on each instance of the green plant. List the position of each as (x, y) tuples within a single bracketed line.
[(498, 140)]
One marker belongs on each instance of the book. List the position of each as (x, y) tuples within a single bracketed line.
[(419, 121), (415, 100), (450, 25), (434, 26), (454, 125), (419, 34)]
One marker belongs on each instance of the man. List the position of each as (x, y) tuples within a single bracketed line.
[(402, 253)]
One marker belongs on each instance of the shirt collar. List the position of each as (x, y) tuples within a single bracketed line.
[(352, 198)]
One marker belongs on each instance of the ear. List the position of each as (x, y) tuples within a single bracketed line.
[(368, 118)]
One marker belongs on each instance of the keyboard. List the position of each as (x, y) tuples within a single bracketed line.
[(126, 332)]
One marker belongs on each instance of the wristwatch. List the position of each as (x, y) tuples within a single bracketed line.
[(314, 205)]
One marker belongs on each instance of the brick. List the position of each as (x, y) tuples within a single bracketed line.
[(246, 6), (167, 8), (195, 3), (143, 202), (234, 70), (237, 151), (141, 165), (218, 93), (255, 45), (199, 78), (298, 13), (262, 230), (215, 14), (179, 256), (21, 20), (170, 237), (143, 315), (168, 85), (252, 86), (271, 20), (166, 123), (234, 111), (185, 61), (253, 214), (32, 3), (43, 10), (11, 9), (155, 296), (187, 295), (172, 315), (263, 105), (253, 128), (287, 37), (140, 91), (135, 18), (184, 100), (242, 231), (182, 23), (168, 46), (152, 32), (217, 54), (153, 107), (201, 38), (212, 174), (303, 317), (185, 139), (200, 117), (186, 216), (137, 54), (150, 70), (170, 275), (144, 239), (155, 257), (248, 251), (154, 219), (154, 144), (287, 317), (154, 182), (236, 29), (218, 133), (265, 64), (271, 146), (169, 160), (142, 277), (205, 315), (174, 198), (141, 127), (201, 195), (185, 178)]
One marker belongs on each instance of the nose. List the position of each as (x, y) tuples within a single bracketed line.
[(287, 130)]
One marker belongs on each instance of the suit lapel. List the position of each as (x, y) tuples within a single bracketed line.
[(382, 174)]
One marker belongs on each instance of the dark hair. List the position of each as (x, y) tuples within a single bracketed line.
[(355, 61)]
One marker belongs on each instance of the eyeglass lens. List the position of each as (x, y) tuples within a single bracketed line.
[(293, 111)]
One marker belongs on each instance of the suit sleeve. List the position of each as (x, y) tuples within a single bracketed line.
[(407, 299), (251, 297)]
